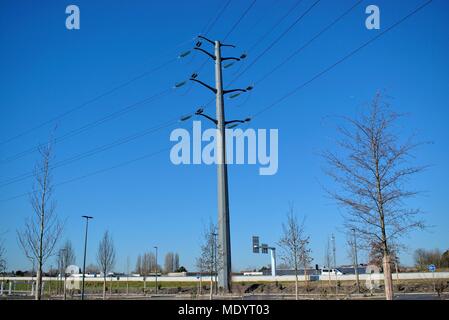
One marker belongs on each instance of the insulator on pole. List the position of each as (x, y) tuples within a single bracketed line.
[(184, 54)]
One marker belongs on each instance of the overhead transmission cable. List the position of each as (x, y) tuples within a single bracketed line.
[(273, 43), (272, 28), (90, 101), (104, 94), (94, 151), (239, 20), (415, 11), (343, 59), (297, 51), (90, 125), (94, 173)]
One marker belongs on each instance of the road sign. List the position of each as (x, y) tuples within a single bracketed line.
[(255, 244), (432, 267), (264, 248)]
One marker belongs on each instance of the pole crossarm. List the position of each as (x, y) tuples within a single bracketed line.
[(230, 58), (208, 117), (227, 45), (234, 90), (206, 52), (208, 40), (204, 84), (235, 121)]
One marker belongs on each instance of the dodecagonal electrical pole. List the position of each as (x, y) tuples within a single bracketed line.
[(224, 237)]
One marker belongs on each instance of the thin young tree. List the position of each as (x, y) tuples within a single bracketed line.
[(372, 168), (138, 268), (209, 259), (328, 260), (351, 251), (66, 255), (294, 244), (169, 262), (106, 257), (201, 266), (43, 229)]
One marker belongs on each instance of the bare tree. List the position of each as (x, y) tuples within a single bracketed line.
[(145, 265), (423, 258), (372, 168), (66, 255), (209, 259), (138, 268), (106, 257), (294, 244), (169, 262), (201, 266), (328, 260), (42, 230)]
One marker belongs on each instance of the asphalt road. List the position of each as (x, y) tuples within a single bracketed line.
[(408, 296)]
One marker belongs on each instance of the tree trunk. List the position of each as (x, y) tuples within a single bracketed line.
[(104, 288), (388, 280), (37, 293), (296, 284), (211, 286)]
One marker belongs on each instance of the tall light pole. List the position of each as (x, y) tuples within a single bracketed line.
[(335, 265), (356, 264), (155, 247), (224, 236), (85, 250)]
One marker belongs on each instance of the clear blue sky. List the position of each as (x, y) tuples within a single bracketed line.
[(47, 70)]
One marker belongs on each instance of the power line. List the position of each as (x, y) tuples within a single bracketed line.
[(220, 13), (122, 164), (277, 101), (320, 33), (94, 151), (203, 64), (84, 104), (272, 44), (106, 93), (239, 19), (110, 116), (74, 132), (346, 57), (265, 35)]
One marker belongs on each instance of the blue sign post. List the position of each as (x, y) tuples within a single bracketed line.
[(431, 267)]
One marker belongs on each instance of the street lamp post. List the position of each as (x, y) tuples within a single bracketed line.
[(85, 249), (155, 247)]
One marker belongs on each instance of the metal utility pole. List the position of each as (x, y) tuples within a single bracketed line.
[(273, 261), (224, 237), (155, 247), (335, 264), (85, 250), (356, 263)]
